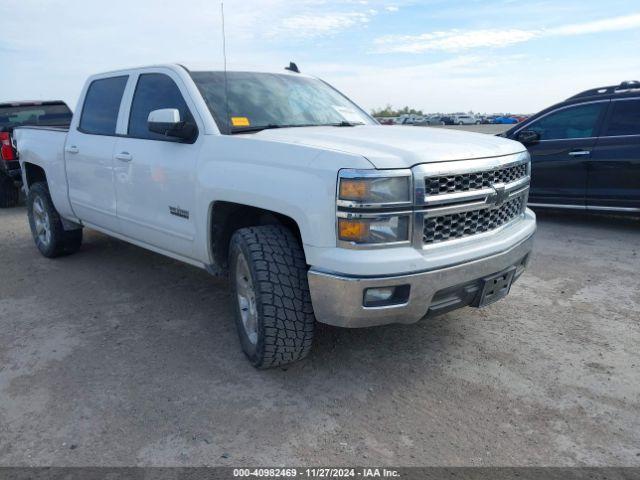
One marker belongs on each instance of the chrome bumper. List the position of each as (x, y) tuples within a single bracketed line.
[(338, 300)]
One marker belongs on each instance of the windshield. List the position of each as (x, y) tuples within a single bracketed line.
[(266, 100), (44, 115)]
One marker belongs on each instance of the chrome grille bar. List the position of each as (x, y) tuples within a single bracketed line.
[(473, 197)]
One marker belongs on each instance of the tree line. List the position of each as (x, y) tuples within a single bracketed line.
[(389, 111)]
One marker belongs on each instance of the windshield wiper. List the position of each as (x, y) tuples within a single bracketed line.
[(258, 128), (344, 123)]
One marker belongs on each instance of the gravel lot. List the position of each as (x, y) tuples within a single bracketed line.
[(118, 356)]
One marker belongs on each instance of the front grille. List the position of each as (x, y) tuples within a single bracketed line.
[(473, 181), (459, 225)]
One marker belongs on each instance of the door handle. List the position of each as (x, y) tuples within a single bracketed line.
[(72, 149), (123, 156), (580, 153)]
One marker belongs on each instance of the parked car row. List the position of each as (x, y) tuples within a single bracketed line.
[(451, 119)]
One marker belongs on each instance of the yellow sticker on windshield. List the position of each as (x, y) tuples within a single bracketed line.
[(240, 121)]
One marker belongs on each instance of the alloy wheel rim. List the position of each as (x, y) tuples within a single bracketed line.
[(42, 222), (246, 299)]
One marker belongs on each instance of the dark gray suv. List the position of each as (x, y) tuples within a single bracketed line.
[(585, 151)]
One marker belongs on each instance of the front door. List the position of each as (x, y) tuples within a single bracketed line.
[(559, 161), (89, 154), (614, 173), (155, 174)]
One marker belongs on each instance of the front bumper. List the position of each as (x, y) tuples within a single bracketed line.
[(338, 300)]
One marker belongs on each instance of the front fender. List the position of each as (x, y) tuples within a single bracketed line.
[(293, 180)]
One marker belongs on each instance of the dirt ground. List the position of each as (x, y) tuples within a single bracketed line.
[(118, 356)]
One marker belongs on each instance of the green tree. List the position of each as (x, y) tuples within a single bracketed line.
[(389, 111)]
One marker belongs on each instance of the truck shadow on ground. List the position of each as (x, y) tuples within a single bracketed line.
[(180, 310)]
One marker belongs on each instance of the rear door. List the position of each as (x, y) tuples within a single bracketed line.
[(559, 161), (89, 153), (155, 174), (614, 173)]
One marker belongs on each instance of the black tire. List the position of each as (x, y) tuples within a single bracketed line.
[(60, 241), (9, 193), (283, 322)]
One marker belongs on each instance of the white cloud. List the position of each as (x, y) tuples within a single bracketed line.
[(626, 22), (451, 40), (456, 40), (391, 8), (321, 24)]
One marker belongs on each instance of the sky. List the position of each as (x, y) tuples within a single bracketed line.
[(513, 56)]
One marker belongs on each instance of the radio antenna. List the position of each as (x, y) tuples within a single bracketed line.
[(224, 57)]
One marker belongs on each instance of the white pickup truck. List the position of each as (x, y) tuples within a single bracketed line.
[(314, 210)]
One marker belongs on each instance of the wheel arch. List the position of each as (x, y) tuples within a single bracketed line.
[(33, 173), (227, 217)]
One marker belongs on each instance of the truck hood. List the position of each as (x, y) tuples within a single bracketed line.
[(397, 146)]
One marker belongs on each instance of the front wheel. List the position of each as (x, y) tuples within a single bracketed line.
[(48, 232), (273, 310)]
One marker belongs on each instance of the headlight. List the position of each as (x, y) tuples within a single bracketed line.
[(374, 208), (374, 229), (360, 189)]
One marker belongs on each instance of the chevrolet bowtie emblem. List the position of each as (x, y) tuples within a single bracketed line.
[(500, 195)]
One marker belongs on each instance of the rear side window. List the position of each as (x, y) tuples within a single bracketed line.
[(153, 92), (50, 114), (101, 106), (625, 118), (573, 122)]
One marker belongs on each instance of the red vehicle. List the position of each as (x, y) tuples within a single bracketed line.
[(386, 121), (16, 114)]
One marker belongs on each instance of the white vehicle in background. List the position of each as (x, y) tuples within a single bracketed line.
[(465, 119), (315, 211)]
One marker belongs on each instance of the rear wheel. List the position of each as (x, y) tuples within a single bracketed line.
[(9, 193), (274, 315), (47, 230)]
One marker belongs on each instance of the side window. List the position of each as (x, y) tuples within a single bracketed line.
[(101, 106), (573, 122), (625, 118), (153, 92)]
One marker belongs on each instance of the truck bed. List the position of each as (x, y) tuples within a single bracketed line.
[(64, 128), (42, 148)]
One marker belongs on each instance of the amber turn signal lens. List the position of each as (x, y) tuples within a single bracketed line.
[(352, 189), (353, 230)]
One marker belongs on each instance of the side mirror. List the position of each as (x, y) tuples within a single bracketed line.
[(167, 122), (528, 137)]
